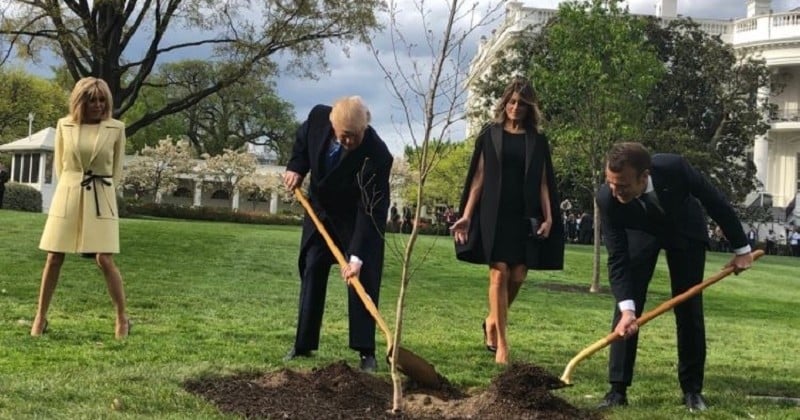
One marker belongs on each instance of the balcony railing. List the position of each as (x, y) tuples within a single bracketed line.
[(784, 115), (747, 25)]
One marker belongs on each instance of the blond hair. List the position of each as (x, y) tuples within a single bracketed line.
[(350, 112), (86, 89)]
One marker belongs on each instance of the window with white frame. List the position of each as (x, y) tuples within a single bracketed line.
[(26, 168)]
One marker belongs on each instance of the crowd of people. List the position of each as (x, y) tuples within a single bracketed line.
[(512, 222), (786, 244)]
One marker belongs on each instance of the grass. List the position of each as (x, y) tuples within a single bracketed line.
[(217, 298)]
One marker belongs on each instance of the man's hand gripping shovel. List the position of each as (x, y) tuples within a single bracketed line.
[(566, 377)]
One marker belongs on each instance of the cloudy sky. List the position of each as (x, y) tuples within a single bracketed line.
[(357, 74)]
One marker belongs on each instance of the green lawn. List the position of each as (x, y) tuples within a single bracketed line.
[(210, 298)]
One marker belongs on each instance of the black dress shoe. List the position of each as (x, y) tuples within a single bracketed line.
[(293, 353), (368, 363), (694, 401), (613, 399), (489, 348)]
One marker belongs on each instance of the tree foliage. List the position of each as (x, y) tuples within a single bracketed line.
[(446, 178), (154, 171), (105, 39), (227, 170), (259, 186), (21, 94), (249, 111), (707, 105)]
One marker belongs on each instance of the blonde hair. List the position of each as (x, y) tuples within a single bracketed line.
[(86, 89), (350, 112)]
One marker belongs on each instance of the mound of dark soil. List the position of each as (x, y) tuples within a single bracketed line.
[(339, 392)]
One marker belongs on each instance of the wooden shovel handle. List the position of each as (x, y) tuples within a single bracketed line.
[(354, 282), (647, 316)]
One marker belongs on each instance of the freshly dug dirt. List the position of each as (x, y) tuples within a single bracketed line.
[(338, 391)]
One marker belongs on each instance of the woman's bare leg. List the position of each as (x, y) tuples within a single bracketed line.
[(518, 274), (50, 273), (117, 292), (498, 309)]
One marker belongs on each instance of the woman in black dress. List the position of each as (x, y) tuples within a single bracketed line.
[(510, 215)]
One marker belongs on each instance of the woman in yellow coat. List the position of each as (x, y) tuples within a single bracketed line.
[(83, 216)]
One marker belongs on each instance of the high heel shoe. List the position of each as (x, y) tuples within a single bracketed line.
[(491, 349), (128, 326), (42, 332)]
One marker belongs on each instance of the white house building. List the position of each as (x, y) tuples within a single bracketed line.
[(32, 163), (764, 33)]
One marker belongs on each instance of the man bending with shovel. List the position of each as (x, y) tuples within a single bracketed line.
[(349, 191), (648, 204)]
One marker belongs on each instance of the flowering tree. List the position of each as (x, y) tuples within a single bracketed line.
[(259, 186), (154, 170), (228, 170)]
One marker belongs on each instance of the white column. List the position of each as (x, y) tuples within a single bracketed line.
[(761, 159), (42, 162), (667, 8), (198, 193), (761, 145), (273, 202), (13, 166), (158, 197), (235, 200)]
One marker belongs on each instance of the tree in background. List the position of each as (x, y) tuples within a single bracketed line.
[(21, 94), (227, 170), (103, 39), (154, 170), (248, 111), (707, 105), (260, 186), (593, 70), (446, 177), (426, 80)]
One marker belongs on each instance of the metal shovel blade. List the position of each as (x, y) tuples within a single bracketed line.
[(416, 368)]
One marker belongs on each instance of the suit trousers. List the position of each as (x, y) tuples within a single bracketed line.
[(686, 265), (313, 289)]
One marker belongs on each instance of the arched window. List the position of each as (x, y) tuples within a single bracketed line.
[(260, 197), (182, 192), (220, 195)]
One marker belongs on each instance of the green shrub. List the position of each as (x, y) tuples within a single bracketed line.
[(122, 206), (211, 214), (22, 197)]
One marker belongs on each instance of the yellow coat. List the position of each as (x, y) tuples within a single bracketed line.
[(83, 215)]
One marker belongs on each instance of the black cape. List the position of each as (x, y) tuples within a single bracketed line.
[(547, 254)]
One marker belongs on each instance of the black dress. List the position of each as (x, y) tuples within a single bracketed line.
[(511, 230)]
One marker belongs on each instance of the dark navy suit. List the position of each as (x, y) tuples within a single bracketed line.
[(352, 200), (634, 238)]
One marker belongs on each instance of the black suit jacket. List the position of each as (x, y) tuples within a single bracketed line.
[(351, 199), (683, 193)]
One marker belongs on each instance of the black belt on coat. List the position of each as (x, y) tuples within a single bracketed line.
[(89, 180)]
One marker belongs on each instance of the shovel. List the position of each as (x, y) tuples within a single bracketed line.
[(413, 366), (566, 378)]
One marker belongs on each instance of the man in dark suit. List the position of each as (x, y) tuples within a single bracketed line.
[(3, 179), (349, 191), (648, 204)]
